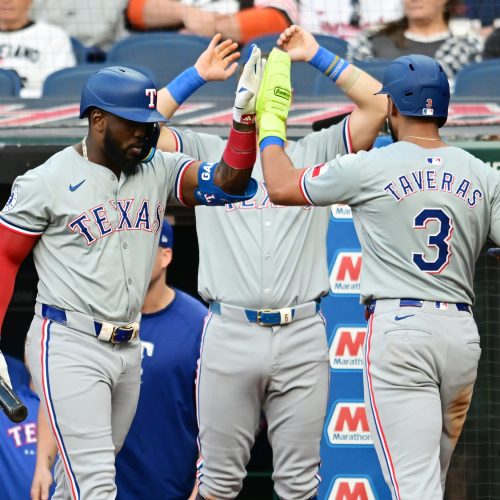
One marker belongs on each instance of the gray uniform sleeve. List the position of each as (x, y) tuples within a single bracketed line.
[(326, 144), (171, 168), (495, 210), (27, 209), (337, 181), (205, 147)]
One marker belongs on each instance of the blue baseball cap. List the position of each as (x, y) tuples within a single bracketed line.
[(167, 235)]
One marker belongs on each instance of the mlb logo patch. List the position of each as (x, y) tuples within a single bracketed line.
[(434, 160), (442, 306), (428, 112)]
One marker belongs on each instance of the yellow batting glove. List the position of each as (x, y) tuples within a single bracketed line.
[(275, 97)]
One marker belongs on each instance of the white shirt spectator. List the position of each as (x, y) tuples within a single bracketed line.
[(34, 52), (335, 17), (94, 22)]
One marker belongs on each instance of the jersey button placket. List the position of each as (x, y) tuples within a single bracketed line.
[(266, 261)]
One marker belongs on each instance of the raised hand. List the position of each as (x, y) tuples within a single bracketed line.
[(299, 43), (248, 88), (217, 62)]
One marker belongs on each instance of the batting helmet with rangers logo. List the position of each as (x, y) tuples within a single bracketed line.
[(418, 86)]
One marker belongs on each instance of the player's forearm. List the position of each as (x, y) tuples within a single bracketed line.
[(282, 179), (46, 447), (235, 167), (228, 26)]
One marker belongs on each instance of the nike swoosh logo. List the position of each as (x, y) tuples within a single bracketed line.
[(76, 186), (399, 318)]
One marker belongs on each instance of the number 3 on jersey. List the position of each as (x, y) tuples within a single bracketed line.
[(439, 240)]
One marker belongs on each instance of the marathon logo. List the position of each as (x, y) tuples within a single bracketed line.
[(341, 212), (434, 160), (346, 351), (352, 488), (345, 274), (348, 425), (282, 92)]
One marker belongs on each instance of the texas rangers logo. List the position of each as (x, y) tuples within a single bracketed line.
[(428, 103), (348, 425), (352, 488), (151, 93), (346, 350)]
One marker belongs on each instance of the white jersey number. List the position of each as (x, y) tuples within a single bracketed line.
[(439, 240)]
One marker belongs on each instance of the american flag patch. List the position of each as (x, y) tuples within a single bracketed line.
[(319, 170), (434, 160)]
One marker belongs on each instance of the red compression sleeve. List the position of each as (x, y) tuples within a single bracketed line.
[(241, 149), (14, 247)]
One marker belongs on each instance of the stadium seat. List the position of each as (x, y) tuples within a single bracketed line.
[(68, 82), (266, 44), (163, 54), (478, 80), (10, 83), (86, 54)]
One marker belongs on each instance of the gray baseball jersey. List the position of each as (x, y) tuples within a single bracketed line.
[(255, 255), (273, 249), (98, 238), (91, 222), (437, 207), (422, 217)]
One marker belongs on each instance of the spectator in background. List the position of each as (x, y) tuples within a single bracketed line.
[(346, 18), (18, 441), (239, 20), (96, 23), (492, 45), (424, 29), (158, 458), (32, 49)]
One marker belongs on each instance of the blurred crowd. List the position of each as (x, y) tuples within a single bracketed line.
[(38, 37)]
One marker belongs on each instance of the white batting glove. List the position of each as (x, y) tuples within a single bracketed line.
[(248, 88), (4, 372)]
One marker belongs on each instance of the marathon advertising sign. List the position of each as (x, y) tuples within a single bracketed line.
[(348, 425), (352, 488), (346, 349), (346, 273)]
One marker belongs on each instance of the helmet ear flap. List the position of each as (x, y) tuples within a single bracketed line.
[(150, 141)]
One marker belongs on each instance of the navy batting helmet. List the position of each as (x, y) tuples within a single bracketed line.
[(124, 92), (418, 86)]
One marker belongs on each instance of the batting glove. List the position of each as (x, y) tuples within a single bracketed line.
[(248, 87), (275, 96), (4, 372)]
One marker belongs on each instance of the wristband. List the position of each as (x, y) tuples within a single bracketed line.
[(186, 84), (271, 141), (330, 64), (241, 151)]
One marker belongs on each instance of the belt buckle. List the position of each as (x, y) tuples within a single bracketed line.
[(128, 328), (259, 316)]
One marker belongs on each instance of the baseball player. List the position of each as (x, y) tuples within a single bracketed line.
[(422, 211), (164, 429), (92, 214), (263, 268)]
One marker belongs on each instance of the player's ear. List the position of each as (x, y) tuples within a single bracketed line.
[(97, 119), (166, 257)]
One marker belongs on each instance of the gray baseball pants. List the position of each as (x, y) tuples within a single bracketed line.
[(246, 369), (420, 368), (89, 389)]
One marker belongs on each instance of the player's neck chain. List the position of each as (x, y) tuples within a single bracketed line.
[(421, 138), (84, 148)]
